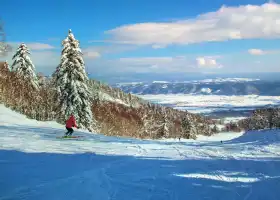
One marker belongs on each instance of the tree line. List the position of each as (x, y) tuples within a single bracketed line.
[(69, 90)]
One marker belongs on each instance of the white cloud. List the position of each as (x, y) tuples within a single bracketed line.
[(146, 64), (256, 52), (167, 64), (259, 52), (157, 46), (91, 54), (45, 58), (201, 61), (227, 23), (39, 46), (209, 62), (108, 49), (32, 46), (148, 60), (136, 65)]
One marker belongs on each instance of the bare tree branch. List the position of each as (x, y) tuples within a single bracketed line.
[(4, 47)]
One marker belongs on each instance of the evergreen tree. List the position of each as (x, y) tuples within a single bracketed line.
[(165, 126), (71, 83), (186, 126), (189, 129), (215, 129), (23, 66)]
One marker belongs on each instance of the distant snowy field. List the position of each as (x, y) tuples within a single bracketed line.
[(210, 103), (36, 165)]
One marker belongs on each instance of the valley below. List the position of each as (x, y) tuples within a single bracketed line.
[(215, 106)]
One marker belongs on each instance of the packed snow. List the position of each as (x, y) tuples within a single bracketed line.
[(37, 165)]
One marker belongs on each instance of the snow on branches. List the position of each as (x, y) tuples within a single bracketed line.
[(71, 81), (24, 67)]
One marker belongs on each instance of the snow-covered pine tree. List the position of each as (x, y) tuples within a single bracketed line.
[(71, 82), (215, 129), (165, 126), (95, 90), (276, 118), (188, 127), (151, 125), (24, 67)]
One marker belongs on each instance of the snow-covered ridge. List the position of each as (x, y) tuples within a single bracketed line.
[(130, 83), (219, 86), (220, 80), (161, 82), (216, 80)]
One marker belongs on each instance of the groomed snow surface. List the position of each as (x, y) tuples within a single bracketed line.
[(36, 165)]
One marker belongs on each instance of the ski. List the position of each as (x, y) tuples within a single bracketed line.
[(69, 137)]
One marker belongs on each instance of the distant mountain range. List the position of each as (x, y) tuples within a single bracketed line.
[(221, 86)]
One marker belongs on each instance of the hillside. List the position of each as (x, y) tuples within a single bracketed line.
[(104, 92), (116, 112), (128, 115), (36, 165), (265, 118)]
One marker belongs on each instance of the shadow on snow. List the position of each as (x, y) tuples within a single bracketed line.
[(86, 176)]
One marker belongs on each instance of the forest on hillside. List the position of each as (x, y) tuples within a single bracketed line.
[(265, 118), (97, 107)]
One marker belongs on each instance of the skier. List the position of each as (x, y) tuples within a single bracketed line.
[(71, 122)]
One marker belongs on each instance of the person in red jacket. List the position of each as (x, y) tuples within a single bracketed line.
[(71, 122)]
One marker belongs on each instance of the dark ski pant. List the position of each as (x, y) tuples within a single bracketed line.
[(69, 131)]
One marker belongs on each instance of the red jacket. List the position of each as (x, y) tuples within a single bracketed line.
[(71, 122)]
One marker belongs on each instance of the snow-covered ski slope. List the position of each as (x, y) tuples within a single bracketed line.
[(35, 165)]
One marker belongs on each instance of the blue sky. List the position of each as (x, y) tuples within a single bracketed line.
[(170, 36)]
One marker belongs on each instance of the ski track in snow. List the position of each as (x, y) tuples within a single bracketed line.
[(36, 165)]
